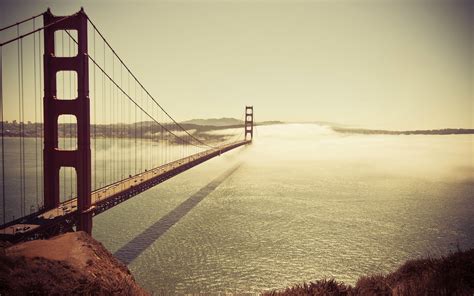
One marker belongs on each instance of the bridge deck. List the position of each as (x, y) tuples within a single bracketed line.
[(45, 223)]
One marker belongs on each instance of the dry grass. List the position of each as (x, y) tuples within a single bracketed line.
[(450, 275)]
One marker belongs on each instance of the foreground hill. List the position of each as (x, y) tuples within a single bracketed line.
[(71, 263)]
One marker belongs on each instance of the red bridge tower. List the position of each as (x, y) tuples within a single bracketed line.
[(55, 158), (249, 122)]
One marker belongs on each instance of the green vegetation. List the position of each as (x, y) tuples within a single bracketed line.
[(450, 275)]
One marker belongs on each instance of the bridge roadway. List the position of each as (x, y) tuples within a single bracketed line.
[(63, 218)]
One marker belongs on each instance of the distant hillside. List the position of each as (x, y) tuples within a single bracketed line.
[(215, 121), (446, 131), (269, 122)]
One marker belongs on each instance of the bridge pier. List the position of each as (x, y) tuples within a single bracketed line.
[(55, 158)]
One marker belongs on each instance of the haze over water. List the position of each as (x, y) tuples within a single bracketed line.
[(301, 203)]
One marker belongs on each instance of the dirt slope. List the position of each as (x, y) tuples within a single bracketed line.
[(71, 263)]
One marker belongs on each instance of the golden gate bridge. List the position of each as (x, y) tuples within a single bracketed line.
[(98, 136)]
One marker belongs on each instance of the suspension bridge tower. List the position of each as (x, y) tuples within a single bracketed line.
[(249, 122), (55, 158)]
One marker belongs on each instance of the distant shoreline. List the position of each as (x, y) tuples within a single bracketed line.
[(446, 131), (141, 130), (146, 129)]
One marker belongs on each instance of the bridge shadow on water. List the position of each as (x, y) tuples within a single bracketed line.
[(141, 242)]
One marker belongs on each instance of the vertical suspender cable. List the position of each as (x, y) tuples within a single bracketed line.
[(3, 132), (112, 127), (111, 131), (105, 123), (41, 112), (161, 147), (70, 134), (122, 139), (152, 141), (130, 130), (129, 141), (19, 126), (23, 129), (106, 118), (110, 134), (36, 110), (149, 142), (103, 128), (95, 120), (63, 191), (19, 114), (141, 133), (135, 129)]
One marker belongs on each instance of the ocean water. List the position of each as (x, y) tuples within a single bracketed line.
[(299, 204)]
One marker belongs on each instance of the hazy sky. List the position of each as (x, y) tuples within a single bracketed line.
[(379, 64)]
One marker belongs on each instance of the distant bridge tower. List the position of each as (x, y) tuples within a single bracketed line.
[(249, 121), (55, 158)]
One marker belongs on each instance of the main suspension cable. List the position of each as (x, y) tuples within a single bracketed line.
[(141, 85), (21, 22), (37, 30), (134, 101)]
